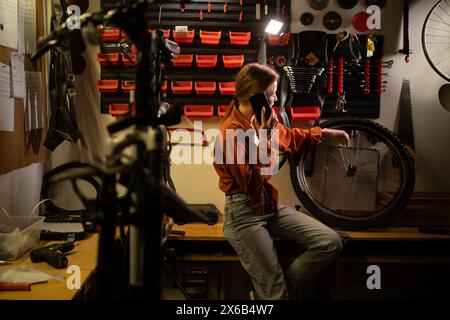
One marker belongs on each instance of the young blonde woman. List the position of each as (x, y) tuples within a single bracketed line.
[(252, 212)]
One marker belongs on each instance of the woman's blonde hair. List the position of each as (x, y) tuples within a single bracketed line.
[(252, 78)]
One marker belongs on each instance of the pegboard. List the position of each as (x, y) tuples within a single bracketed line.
[(240, 16)]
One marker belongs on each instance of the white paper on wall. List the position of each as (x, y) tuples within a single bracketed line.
[(26, 26), (32, 105), (18, 75), (6, 114), (8, 23), (5, 81)]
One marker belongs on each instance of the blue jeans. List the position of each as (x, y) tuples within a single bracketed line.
[(251, 238)]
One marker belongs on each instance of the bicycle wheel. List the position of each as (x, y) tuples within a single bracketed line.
[(435, 38), (359, 186)]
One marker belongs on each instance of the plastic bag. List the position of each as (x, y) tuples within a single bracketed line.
[(27, 274)]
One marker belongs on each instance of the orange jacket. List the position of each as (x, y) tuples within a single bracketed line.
[(245, 177)]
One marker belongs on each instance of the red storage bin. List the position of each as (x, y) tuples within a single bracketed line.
[(183, 60), (279, 40), (305, 113), (222, 110), (128, 85), (227, 88), (108, 85), (203, 87), (164, 86), (235, 61), (166, 32), (206, 60), (181, 87), (108, 59), (210, 37), (111, 34), (126, 59), (119, 109), (197, 111), (240, 38), (184, 37)]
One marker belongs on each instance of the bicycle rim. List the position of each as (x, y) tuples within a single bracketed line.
[(435, 34), (359, 186)]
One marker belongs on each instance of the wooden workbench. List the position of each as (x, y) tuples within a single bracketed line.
[(402, 253), (83, 255)]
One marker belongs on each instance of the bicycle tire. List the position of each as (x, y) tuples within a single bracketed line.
[(382, 213)]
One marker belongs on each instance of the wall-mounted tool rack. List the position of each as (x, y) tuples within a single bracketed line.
[(362, 83), (217, 44)]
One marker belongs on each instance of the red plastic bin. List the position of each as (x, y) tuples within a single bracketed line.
[(227, 88), (279, 40), (198, 111), (305, 113), (164, 86), (128, 85), (222, 110), (206, 60), (184, 37), (210, 37), (108, 59), (183, 60), (181, 87), (166, 32), (126, 59), (235, 61), (111, 34), (240, 38), (119, 109), (108, 85), (202, 87)]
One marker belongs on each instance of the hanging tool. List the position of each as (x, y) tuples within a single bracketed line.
[(241, 2), (370, 45), (347, 4), (201, 15), (257, 11), (340, 37), (209, 7), (366, 76), (405, 131), (283, 9), (160, 12), (241, 16), (380, 77), (330, 75), (341, 100), (319, 4), (225, 7), (332, 20), (266, 7), (444, 96), (406, 49), (307, 19)]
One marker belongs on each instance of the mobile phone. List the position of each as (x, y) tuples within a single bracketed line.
[(259, 101)]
